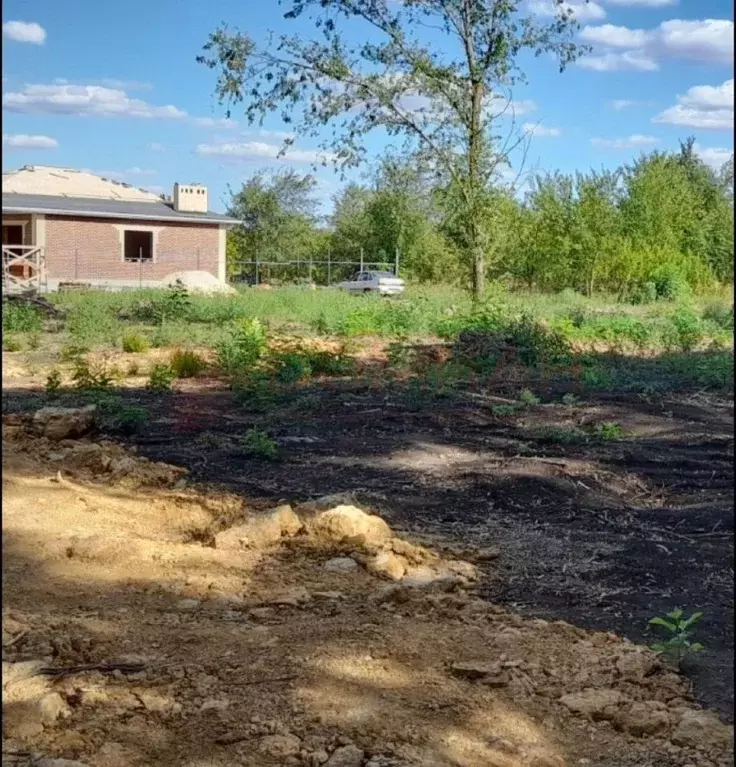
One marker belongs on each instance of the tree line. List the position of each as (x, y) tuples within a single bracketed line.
[(651, 228)]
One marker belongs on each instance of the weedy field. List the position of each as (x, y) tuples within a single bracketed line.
[(587, 444)]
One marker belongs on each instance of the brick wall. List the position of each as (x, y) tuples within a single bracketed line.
[(90, 249)]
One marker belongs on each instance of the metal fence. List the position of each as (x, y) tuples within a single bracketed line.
[(325, 271)]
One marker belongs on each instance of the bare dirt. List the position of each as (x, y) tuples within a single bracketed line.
[(264, 655)]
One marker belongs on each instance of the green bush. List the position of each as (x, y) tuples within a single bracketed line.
[(118, 416), (135, 342), (21, 319), (185, 363), (258, 444), (720, 315), (292, 367), (89, 376), (685, 330), (608, 430), (53, 382), (161, 377), (11, 343), (244, 346)]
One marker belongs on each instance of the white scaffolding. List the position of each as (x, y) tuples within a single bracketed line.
[(24, 269)]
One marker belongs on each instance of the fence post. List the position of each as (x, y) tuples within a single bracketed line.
[(329, 265), (396, 264), (361, 259), (256, 270), (311, 278), (140, 268)]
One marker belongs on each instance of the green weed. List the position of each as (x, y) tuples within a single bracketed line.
[(21, 319), (528, 398), (244, 346), (161, 377), (608, 430), (501, 411), (53, 382), (118, 416), (258, 444), (11, 343), (135, 343), (678, 644), (88, 376), (562, 435), (185, 363)]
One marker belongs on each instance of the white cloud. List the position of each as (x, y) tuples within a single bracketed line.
[(614, 37), (154, 146), (24, 32), (619, 104), (22, 141), (643, 3), (619, 62), (713, 156), (703, 106), (540, 130), (629, 142), (214, 122), (708, 41), (259, 150), (263, 133), (85, 100), (581, 10)]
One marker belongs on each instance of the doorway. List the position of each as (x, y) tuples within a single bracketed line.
[(13, 235)]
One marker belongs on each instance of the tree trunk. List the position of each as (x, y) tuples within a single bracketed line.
[(479, 270)]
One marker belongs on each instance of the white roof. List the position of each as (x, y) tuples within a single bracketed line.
[(66, 182)]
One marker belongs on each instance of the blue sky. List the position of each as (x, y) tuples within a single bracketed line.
[(114, 88)]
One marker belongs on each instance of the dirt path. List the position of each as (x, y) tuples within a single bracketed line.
[(289, 651)]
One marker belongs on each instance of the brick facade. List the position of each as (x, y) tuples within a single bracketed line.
[(90, 250)]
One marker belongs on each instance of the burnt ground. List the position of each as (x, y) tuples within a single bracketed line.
[(601, 533)]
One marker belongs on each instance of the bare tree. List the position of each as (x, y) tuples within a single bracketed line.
[(443, 103)]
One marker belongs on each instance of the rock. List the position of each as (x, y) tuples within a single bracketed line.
[(57, 423), (292, 598), (260, 613), (645, 718), (409, 551), (327, 502), (317, 758), (280, 746), (341, 565), (487, 554), (214, 704), (346, 756), (702, 729), (261, 531), (636, 664), (328, 595), (388, 565), (187, 605), (395, 592), (463, 569), (593, 703), (423, 577), (475, 669), (14, 673), (157, 703), (51, 708), (345, 522), (49, 761)]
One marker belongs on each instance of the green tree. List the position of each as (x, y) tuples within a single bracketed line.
[(278, 218), (395, 80)]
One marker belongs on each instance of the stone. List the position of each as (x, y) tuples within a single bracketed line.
[(51, 708), (49, 761), (409, 551), (292, 598), (475, 669), (317, 758), (328, 595), (187, 605), (14, 673), (636, 664), (260, 613), (327, 502), (394, 593), (341, 565), (423, 577), (345, 522), (215, 704), (280, 746), (260, 531), (594, 703), (387, 565), (57, 423), (645, 718), (487, 554), (157, 703), (346, 756), (463, 569), (702, 729)]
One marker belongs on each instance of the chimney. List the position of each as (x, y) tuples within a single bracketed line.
[(190, 198)]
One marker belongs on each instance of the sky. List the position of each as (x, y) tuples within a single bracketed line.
[(114, 88)]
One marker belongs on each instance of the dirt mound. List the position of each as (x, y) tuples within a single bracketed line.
[(198, 281), (175, 627)]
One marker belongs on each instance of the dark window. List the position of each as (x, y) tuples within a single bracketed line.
[(138, 246)]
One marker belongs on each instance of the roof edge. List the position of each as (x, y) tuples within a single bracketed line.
[(224, 221)]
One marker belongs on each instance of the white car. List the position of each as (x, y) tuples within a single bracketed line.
[(383, 283)]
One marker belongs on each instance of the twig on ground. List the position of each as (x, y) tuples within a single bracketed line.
[(15, 639)]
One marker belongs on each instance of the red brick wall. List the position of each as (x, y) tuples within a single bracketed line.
[(90, 249)]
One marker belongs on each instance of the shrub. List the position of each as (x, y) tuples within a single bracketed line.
[(186, 364), (53, 382), (292, 367), (685, 331), (135, 342), (118, 416), (258, 444), (608, 430), (720, 315), (562, 435), (256, 391), (11, 343), (92, 376), (245, 345), (528, 398), (160, 377), (501, 411), (21, 319), (72, 352)]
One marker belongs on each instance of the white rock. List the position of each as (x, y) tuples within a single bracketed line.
[(346, 756), (341, 565), (702, 728), (187, 605), (351, 522), (57, 423)]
